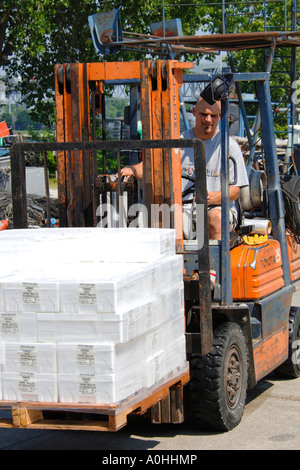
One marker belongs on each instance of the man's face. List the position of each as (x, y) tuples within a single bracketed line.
[(207, 119)]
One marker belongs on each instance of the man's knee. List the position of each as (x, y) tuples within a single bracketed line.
[(215, 224)]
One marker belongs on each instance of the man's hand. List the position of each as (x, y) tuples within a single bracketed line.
[(132, 170), (126, 171)]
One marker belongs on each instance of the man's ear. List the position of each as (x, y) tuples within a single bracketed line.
[(194, 110)]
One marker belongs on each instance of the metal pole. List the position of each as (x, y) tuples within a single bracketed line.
[(223, 17), (46, 178), (164, 20), (254, 138), (18, 186), (293, 76), (276, 205), (226, 294), (205, 312)]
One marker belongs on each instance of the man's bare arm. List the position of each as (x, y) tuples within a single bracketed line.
[(214, 197)]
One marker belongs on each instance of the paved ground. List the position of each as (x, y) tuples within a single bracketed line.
[(271, 421)]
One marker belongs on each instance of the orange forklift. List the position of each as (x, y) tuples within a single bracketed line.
[(245, 326)]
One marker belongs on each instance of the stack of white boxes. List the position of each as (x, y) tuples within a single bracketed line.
[(89, 315)]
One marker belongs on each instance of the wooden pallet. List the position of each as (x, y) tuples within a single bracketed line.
[(36, 415)]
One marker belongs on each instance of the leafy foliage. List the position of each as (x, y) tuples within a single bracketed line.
[(37, 34)]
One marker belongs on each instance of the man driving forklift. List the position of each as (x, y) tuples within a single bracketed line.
[(207, 118)]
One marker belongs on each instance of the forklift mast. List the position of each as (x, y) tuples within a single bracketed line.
[(78, 88)]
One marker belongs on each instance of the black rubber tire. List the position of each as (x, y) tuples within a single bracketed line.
[(218, 381), (291, 367), (292, 208)]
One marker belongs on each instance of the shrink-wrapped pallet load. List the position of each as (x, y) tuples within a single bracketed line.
[(89, 315)]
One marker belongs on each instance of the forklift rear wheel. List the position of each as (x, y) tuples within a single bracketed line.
[(291, 367), (218, 384)]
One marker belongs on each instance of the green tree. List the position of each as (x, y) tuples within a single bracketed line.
[(37, 34), (6, 116)]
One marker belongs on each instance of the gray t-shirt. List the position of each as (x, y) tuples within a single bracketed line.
[(213, 164)]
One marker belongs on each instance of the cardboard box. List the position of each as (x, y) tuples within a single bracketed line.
[(29, 386), (27, 292), (18, 327), (67, 328), (166, 363), (115, 288), (89, 315), (28, 248), (104, 389), (112, 358), (89, 287), (110, 328), (29, 357)]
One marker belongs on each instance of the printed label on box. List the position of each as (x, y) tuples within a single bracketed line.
[(154, 342), (148, 316), (87, 384), (85, 355), (9, 324), (87, 294), (131, 320), (165, 246), (27, 355), (30, 293), (153, 279), (26, 382)]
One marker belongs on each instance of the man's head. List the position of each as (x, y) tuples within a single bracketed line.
[(207, 118)]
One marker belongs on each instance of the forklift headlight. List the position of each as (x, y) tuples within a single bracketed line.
[(220, 87)]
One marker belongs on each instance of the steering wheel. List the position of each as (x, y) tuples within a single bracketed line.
[(191, 189)]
